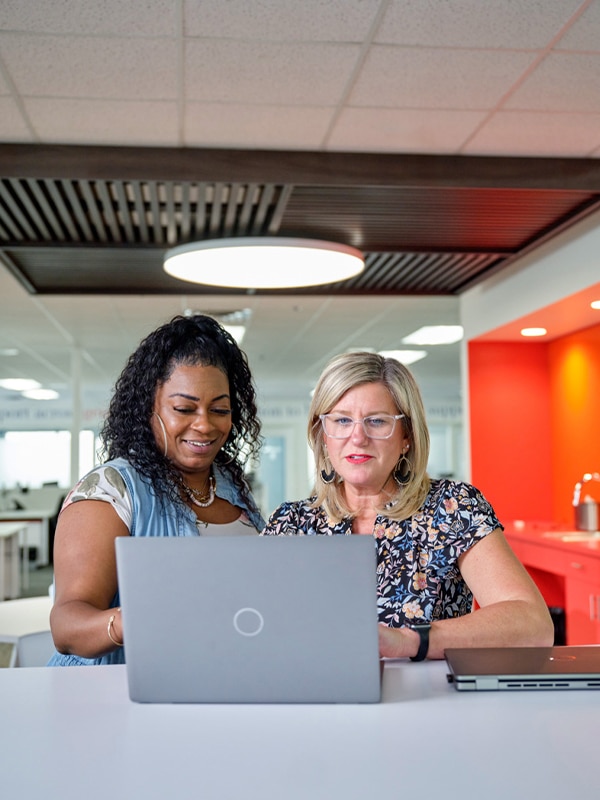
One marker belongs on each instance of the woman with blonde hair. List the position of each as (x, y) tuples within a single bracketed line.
[(439, 543)]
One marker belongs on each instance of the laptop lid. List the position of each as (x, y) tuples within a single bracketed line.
[(491, 668), (250, 619)]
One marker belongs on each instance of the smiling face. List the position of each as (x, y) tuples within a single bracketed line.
[(365, 464), (195, 407)]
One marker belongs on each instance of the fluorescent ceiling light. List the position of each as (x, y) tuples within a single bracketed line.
[(404, 356), (533, 332), (19, 384), (40, 394), (9, 351), (435, 334), (263, 262)]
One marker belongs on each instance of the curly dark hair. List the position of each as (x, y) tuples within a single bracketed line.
[(188, 341)]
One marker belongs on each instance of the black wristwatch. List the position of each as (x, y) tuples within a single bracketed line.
[(423, 631)]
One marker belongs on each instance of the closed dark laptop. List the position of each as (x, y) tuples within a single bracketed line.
[(515, 668), (250, 619)]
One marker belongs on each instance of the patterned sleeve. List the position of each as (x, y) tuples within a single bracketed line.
[(104, 483), (299, 518), (464, 516), (284, 521)]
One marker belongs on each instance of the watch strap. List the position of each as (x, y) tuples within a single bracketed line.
[(423, 631)]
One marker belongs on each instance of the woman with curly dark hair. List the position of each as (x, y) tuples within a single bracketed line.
[(181, 424)]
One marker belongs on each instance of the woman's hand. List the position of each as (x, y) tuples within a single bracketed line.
[(397, 642)]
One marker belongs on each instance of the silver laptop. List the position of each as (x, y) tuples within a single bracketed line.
[(517, 668), (250, 619)]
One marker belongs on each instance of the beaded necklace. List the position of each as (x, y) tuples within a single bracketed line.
[(199, 497)]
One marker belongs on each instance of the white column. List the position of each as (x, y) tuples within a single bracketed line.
[(76, 419)]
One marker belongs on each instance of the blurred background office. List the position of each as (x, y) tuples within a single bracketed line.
[(453, 144)]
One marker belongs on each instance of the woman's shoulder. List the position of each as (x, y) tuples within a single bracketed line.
[(451, 488), (102, 476), (296, 508), (295, 516), (456, 496)]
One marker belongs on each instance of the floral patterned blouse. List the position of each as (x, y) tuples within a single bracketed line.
[(418, 577)]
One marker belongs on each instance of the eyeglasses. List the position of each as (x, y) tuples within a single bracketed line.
[(379, 426)]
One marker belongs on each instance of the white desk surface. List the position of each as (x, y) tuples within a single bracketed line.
[(70, 732)]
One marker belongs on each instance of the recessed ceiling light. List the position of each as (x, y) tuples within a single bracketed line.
[(19, 384), (267, 262), (533, 331), (595, 304), (40, 394), (435, 334), (404, 356)]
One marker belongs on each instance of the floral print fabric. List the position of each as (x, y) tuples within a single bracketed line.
[(418, 577), (104, 483)]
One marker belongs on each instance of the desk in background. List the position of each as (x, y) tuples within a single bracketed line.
[(68, 730), (36, 533), (10, 533), (36, 507)]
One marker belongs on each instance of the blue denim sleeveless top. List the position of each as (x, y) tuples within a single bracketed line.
[(154, 517)]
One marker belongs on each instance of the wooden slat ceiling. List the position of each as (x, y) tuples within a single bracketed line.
[(85, 220)]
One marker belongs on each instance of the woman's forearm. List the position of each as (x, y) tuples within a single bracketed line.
[(508, 623), (79, 628)]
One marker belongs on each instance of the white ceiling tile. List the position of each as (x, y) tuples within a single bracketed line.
[(133, 18), (74, 62), (512, 24), (403, 130), (279, 127), (12, 125), (281, 20), (70, 121), (562, 82), (429, 78), (264, 73), (91, 67), (584, 34), (525, 133)]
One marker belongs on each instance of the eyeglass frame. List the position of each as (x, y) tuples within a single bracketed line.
[(355, 422)]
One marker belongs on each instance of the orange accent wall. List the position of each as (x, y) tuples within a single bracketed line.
[(574, 363), (509, 397), (535, 423)]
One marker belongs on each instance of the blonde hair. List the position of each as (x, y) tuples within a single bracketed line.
[(342, 373)]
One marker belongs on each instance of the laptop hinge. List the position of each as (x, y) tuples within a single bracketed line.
[(486, 683)]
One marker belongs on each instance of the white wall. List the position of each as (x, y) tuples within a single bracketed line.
[(563, 266)]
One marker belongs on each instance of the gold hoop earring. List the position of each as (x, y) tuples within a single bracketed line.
[(163, 429)]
